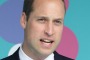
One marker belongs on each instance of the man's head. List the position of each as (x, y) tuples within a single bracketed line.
[(43, 30)]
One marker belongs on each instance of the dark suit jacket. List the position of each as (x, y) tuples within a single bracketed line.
[(57, 56)]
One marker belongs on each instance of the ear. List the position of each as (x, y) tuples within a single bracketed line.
[(23, 20)]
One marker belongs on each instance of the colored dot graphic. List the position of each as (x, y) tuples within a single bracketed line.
[(2, 2), (69, 44), (66, 3)]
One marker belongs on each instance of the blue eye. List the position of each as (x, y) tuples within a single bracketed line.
[(41, 20), (58, 22)]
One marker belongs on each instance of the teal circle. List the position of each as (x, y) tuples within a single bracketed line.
[(5, 47), (2, 2)]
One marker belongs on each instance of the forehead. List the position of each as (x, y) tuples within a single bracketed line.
[(44, 1), (48, 8), (38, 3)]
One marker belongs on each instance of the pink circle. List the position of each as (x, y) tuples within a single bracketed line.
[(66, 3), (69, 44)]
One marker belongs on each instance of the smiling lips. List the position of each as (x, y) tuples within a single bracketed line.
[(46, 43)]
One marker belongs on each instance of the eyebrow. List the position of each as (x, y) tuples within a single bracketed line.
[(58, 19), (42, 17), (46, 18)]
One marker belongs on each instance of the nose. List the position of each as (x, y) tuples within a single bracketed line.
[(49, 29)]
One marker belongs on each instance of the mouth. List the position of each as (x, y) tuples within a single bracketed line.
[(46, 43)]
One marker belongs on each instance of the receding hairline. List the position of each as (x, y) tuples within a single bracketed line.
[(29, 6)]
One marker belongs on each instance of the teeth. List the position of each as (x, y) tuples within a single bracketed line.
[(46, 41)]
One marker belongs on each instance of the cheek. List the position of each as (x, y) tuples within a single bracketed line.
[(35, 30), (58, 33)]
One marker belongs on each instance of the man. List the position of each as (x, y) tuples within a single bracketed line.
[(42, 21)]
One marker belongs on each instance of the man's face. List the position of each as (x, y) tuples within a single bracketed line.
[(44, 27)]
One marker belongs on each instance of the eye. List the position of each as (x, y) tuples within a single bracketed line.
[(41, 20), (58, 22)]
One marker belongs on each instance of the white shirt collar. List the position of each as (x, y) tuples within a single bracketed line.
[(23, 56)]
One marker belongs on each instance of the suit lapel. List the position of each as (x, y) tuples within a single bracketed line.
[(56, 56), (60, 57), (15, 56)]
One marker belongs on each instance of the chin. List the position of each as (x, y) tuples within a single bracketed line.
[(46, 52)]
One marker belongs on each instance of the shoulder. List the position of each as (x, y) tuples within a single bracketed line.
[(58, 57), (14, 56)]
